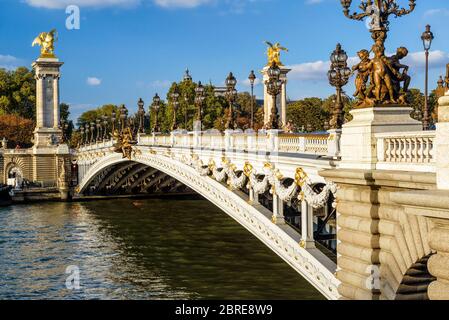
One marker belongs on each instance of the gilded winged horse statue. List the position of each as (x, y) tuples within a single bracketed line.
[(46, 40)]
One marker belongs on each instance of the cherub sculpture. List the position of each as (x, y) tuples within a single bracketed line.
[(364, 70), (46, 40), (125, 143), (274, 53)]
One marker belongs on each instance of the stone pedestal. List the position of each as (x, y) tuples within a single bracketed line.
[(47, 74), (282, 97), (333, 143), (273, 139), (358, 141)]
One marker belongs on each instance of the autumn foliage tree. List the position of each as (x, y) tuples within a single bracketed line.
[(17, 130)]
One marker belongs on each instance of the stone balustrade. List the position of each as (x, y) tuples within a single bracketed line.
[(316, 144), (415, 148)]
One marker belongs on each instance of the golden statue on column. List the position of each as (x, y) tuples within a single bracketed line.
[(274, 53), (46, 40)]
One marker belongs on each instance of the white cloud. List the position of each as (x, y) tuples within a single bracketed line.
[(93, 81), (437, 59), (180, 3), (9, 62), (313, 1), (436, 12), (314, 71), (61, 4)]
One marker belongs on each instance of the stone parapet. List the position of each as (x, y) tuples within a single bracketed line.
[(380, 246)]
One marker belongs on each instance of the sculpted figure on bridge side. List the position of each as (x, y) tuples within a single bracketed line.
[(46, 40), (125, 143), (274, 53)]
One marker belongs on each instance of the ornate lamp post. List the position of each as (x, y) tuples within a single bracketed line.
[(113, 120), (92, 132), (82, 134), (231, 95), (186, 110), (105, 126), (252, 79), (274, 87), (338, 77), (123, 116), (379, 12), (99, 130), (175, 104), (87, 139), (141, 115), (156, 105), (427, 38), (199, 100)]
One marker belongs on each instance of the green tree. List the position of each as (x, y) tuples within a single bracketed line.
[(92, 115), (18, 92), (308, 114)]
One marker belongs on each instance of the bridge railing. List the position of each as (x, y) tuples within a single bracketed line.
[(406, 150), (97, 145), (316, 144)]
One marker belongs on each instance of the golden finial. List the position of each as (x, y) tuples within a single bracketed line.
[(46, 40), (274, 53)]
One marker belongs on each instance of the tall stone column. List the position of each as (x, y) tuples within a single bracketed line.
[(282, 98), (47, 132), (56, 109)]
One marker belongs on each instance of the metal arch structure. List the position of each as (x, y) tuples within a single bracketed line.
[(311, 263)]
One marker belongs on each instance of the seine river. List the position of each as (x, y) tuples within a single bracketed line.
[(138, 249)]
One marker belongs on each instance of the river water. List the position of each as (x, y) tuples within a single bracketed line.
[(138, 249)]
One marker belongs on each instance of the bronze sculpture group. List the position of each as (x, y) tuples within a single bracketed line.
[(385, 75)]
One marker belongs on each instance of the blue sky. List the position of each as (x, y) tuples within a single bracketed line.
[(126, 49)]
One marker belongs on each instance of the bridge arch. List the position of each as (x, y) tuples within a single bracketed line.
[(255, 218)]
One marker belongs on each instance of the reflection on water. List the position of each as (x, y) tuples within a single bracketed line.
[(138, 249)]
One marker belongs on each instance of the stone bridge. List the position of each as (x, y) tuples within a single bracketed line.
[(360, 213)]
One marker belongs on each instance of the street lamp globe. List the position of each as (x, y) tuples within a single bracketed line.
[(199, 90), (156, 101), (231, 81), (252, 77), (427, 38)]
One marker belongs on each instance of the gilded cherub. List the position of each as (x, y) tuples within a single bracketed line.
[(363, 69), (274, 53), (46, 40), (382, 71)]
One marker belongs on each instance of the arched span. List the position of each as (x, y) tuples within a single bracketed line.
[(313, 265)]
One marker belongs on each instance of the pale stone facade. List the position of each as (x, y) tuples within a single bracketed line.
[(41, 164)]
